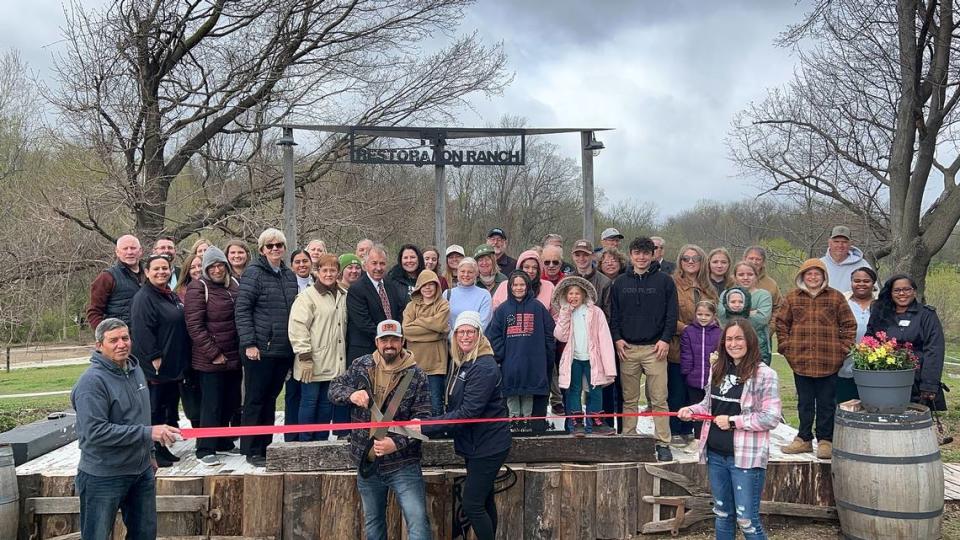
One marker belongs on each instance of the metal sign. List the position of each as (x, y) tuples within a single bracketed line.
[(435, 154)]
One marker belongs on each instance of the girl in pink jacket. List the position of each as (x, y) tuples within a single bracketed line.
[(588, 362)]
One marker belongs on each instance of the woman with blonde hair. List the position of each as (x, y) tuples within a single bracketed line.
[(720, 266), (692, 278)]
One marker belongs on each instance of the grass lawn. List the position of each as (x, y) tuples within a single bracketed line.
[(48, 379), (788, 391)]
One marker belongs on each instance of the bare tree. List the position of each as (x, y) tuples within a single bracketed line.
[(869, 116), (173, 91)]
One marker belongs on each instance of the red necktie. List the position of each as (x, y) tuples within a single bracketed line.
[(384, 300)]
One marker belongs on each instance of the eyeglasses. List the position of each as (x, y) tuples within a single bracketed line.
[(551, 263), (657, 247), (904, 290), (466, 332), (687, 258), (278, 245)]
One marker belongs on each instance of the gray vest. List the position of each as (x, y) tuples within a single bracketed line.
[(125, 285)]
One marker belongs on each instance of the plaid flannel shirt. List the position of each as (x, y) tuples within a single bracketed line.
[(759, 413)]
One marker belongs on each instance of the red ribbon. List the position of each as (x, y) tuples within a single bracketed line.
[(242, 431)]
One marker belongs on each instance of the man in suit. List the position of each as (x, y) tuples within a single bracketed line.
[(667, 267), (368, 300)]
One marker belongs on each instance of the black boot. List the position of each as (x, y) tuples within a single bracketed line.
[(165, 453)]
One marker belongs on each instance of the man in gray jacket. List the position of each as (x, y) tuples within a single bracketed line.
[(116, 469)]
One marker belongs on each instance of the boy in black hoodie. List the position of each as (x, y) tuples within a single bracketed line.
[(643, 319)]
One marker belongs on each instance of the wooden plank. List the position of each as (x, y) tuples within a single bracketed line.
[(616, 500), (578, 502), (645, 483), (395, 524), (340, 509), (58, 525), (301, 505), (541, 511), (226, 504), (681, 480), (45, 506), (262, 504), (187, 523), (334, 455), (766, 507)]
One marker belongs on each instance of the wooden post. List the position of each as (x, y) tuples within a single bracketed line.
[(28, 485), (440, 196), (586, 169), (341, 515), (289, 189), (439, 505), (57, 525), (578, 501), (396, 526), (262, 504), (180, 523), (226, 504), (616, 500), (301, 505), (541, 511), (510, 507), (8, 359)]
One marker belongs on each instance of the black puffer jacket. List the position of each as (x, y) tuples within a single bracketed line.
[(263, 309)]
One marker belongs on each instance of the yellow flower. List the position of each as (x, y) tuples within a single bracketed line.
[(891, 360)]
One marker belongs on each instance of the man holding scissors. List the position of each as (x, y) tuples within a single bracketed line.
[(387, 385)]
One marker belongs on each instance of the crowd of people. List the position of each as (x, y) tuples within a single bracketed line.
[(479, 334)]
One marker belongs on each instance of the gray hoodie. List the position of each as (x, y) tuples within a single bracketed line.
[(839, 273), (113, 418)]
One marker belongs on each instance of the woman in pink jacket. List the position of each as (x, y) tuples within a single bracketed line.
[(589, 352), (528, 261)]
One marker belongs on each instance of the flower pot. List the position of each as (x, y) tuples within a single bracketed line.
[(884, 391)]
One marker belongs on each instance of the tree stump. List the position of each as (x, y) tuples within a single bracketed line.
[(58, 525), (439, 503), (510, 507), (262, 504), (302, 494)]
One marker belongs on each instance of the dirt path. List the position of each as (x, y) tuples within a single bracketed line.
[(54, 354)]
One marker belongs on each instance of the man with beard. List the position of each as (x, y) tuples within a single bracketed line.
[(375, 386)]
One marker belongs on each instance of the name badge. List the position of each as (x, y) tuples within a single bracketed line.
[(904, 323)]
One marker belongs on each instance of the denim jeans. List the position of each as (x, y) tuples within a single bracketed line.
[(438, 386), (520, 405), (315, 408), (736, 497), (291, 408), (407, 485), (580, 369), (135, 495)]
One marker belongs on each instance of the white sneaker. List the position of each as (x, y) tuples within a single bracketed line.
[(210, 459)]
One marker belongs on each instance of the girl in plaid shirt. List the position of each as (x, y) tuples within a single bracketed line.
[(744, 399)]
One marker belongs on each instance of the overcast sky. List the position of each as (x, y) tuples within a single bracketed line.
[(668, 76)]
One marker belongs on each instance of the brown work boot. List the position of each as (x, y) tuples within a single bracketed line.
[(798, 446), (824, 449)]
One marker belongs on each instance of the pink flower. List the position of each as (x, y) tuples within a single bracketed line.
[(881, 335)]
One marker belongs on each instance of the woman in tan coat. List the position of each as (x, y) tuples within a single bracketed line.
[(426, 323), (317, 332), (692, 278)]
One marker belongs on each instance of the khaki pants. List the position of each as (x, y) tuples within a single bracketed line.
[(641, 360)]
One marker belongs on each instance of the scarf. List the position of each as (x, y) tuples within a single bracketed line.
[(387, 376)]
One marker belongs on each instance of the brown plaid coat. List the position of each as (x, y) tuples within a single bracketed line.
[(815, 332)]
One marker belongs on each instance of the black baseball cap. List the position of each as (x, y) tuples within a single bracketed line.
[(497, 231)]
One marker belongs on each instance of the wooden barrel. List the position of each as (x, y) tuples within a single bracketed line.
[(9, 496), (887, 475)]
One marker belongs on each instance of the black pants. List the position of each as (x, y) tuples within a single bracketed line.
[(164, 403), (540, 409), (190, 396), (694, 396), (478, 504), (816, 396), (291, 408), (676, 398), (221, 399), (262, 381), (613, 401)]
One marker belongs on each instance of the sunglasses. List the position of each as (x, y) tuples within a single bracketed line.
[(551, 263), (278, 245), (686, 258)]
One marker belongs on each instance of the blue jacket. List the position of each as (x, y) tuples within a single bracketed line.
[(521, 334), (263, 307), (475, 393), (113, 418)]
